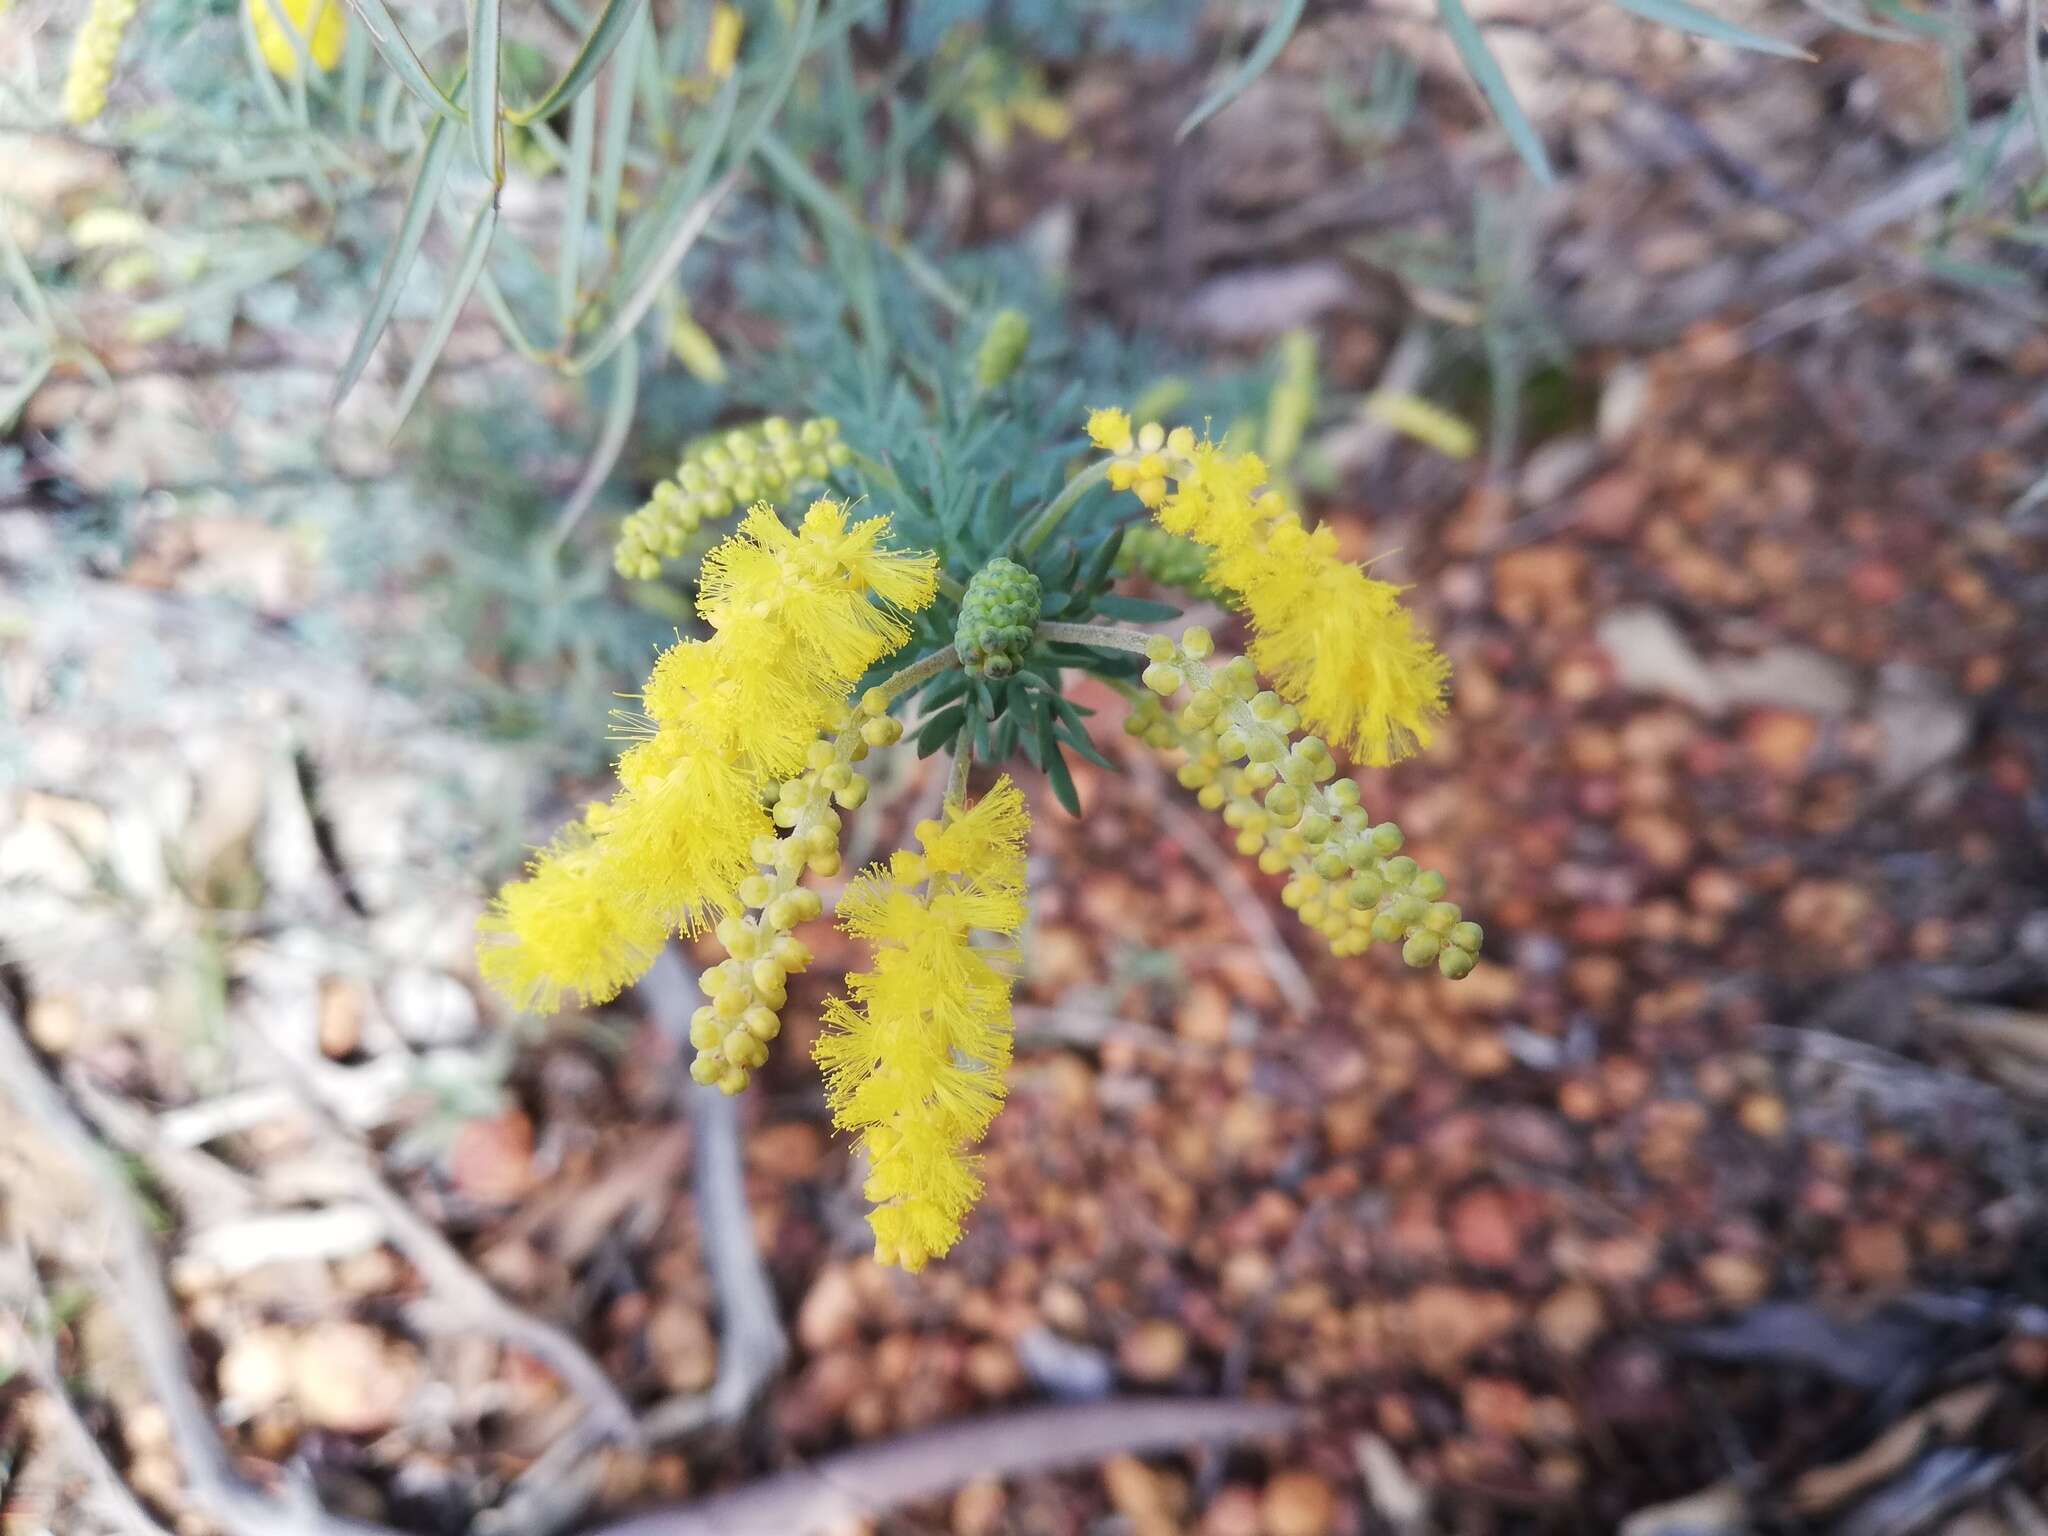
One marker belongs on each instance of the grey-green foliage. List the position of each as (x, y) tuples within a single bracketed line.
[(962, 467)]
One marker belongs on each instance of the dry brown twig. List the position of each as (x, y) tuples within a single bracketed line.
[(460, 1298), (871, 1480), (875, 1479), (1193, 839), (211, 1481), (31, 1326)]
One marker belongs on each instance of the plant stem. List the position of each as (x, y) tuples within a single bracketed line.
[(963, 761), (952, 587), (1115, 637), (1027, 540), (918, 672)]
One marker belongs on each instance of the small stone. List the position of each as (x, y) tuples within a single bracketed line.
[(830, 1313), (1299, 1503), (978, 1508), (1738, 1280), (1877, 1254), (1203, 1017), (1497, 1406), (682, 1347), (491, 1160), (1571, 1319), (1762, 1115), (1781, 741), (1154, 1351), (350, 1378), (1483, 1229), (255, 1371)]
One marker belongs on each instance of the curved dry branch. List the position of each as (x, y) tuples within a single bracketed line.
[(875, 1479)]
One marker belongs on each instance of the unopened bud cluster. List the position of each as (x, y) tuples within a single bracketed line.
[(997, 618), (93, 55), (745, 992), (718, 476), (1281, 794), (1145, 460)]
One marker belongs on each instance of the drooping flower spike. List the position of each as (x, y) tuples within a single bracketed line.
[(1336, 643), (746, 748), (797, 620), (914, 1058)]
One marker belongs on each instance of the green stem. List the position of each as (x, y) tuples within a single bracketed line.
[(918, 672), (952, 588), (1115, 637), (963, 761), (1034, 533)]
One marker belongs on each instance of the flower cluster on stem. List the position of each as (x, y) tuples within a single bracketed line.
[(1280, 792), (768, 458), (914, 1056), (728, 729)]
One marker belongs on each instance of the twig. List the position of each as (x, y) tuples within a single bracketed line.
[(555, 1490), (215, 1488), (455, 1285), (871, 1481), (1193, 839), (41, 1364), (752, 1345)]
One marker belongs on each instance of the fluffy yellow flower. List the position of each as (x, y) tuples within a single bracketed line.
[(797, 618), (1336, 642), (566, 928), (811, 588), (1110, 430), (320, 22), (914, 1061)]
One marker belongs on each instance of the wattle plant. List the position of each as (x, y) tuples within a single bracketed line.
[(823, 636)]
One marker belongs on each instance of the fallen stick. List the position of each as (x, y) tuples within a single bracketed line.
[(40, 1362), (875, 1479), (216, 1489)]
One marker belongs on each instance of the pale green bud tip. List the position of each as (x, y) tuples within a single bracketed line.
[(1467, 936), (1161, 679), (1002, 348), (1456, 964), (1197, 642)]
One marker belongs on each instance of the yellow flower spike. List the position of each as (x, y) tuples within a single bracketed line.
[(813, 586), (914, 1059), (322, 23), (568, 927), (1335, 642)]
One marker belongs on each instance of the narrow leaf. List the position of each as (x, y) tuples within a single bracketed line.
[(940, 729), (2037, 76), (575, 204), (382, 27), (1062, 778), (484, 139), (412, 229), (1285, 19), (474, 250), (1486, 73), (14, 397), (1687, 17), (618, 126), (604, 37), (611, 442), (696, 215)]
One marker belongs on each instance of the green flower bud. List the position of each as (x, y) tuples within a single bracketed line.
[(1002, 348), (1456, 964), (1420, 949), (1466, 936)]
